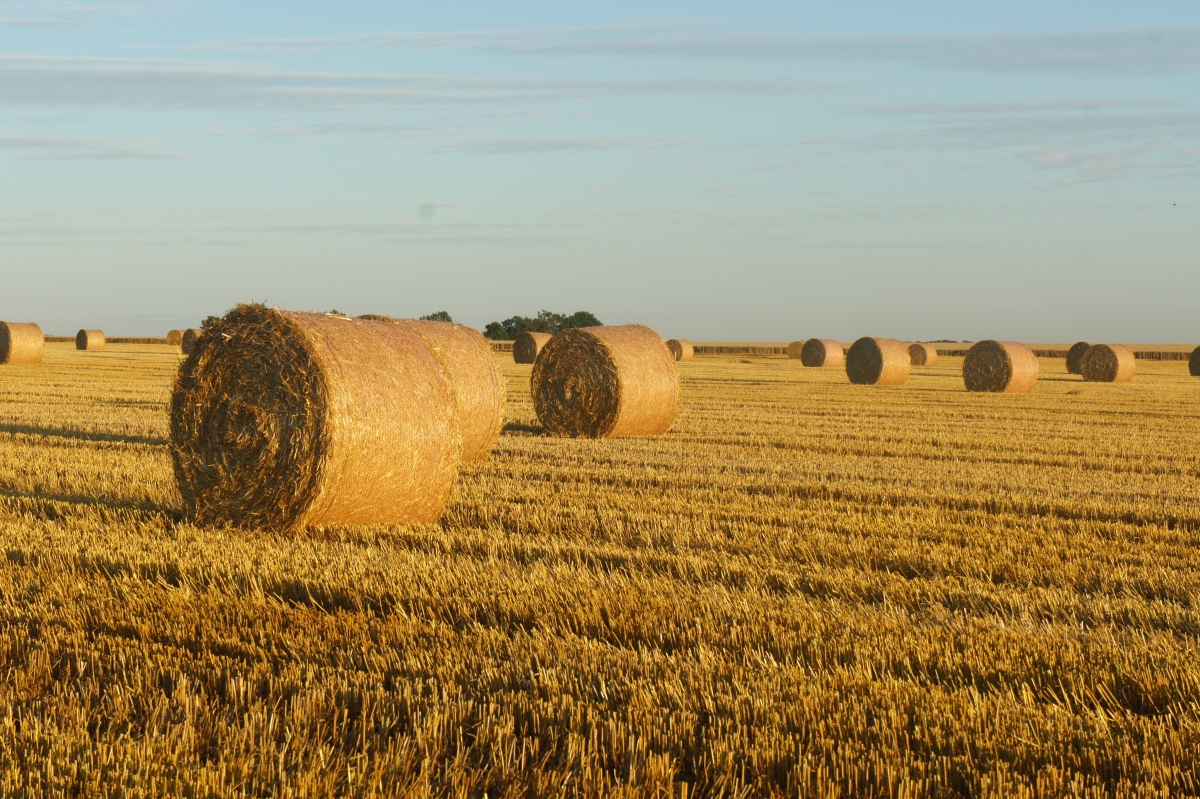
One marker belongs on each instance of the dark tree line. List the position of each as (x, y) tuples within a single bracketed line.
[(544, 322)]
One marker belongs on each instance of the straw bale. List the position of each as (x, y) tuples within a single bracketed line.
[(1107, 363), (681, 349), (190, 337), (1194, 362), (89, 340), (606, 382), (795, 350), (21, 343), (1000, 366), (283, 421), (1075, 357), (878, 362), (823, 352), (466, 360), (527, 346), (922, 354), (175, 337)]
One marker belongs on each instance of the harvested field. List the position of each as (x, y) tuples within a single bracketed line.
[(796, 591)]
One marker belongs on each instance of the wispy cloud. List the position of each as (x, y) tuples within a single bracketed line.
[(1096, 53), (72, 148), (163, 83)]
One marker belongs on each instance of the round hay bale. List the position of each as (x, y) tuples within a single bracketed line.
[(922, 354), (878, 362), (284, 420), (467, 363), (527, 346), (89, 340), (1107, 363), (681, 349), (1075, 357), (21, 343), (606, 382), (188, 342), (175, 338), (823, 352), (1000, 366), (796, 350), (1194, 362)]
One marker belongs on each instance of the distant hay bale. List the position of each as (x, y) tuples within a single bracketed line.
[(878, 362), (922, 354), (21, 343), (1194, 363), (1075, 357), (188, 342), (526, 346), (823, 352), (467, 363), (89, 340), (795, 350), (606, 382), (1107, 363), (681, 349), (284, 420), (175, 338), (1000, 366)]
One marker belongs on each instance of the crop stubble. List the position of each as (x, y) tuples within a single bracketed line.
[(797, 589)]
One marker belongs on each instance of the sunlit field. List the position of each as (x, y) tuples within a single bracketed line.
[(805, 588)]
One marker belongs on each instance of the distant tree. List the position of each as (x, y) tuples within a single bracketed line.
[(209, 321), (437, 316), (544, 322), (336, 312)]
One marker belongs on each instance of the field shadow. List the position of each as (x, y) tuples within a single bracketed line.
[(45, 503), (80, 435), (521, 427)]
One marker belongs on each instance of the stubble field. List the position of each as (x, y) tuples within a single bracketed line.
[(805, 588)]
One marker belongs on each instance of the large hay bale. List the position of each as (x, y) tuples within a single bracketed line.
[(467, 363), (285, 420), (190, 337), (878, 362), (681, 349), (1075, 357), (1000, 366), (89, 340), (526, 346), (922, 354), (175, 338), (823, 352), (795, 350), (21, 343), (606, 382), (1107, 363), (1194, 362)]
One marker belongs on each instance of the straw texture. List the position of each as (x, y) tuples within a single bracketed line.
[(175, 337), (1107, 363), (285, 420), (795, 350), (468, 365), (878, 362), (1075, 357), (1000, 366), (606, 382), (89, 340), (922, 354), (681, 349), (1194, 362), (21, 343), (188, 342), (526, 346), (823, 352)]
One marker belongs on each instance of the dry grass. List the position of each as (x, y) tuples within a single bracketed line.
[(797, 591)]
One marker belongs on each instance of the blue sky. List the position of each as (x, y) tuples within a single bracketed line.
[(716, 171)]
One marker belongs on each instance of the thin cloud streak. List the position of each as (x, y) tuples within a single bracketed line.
[(1088, 53), (72, 148)]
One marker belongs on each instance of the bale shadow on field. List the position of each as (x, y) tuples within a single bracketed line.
[(80, 435), (521, 427)]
